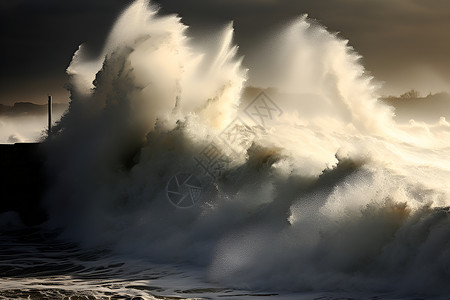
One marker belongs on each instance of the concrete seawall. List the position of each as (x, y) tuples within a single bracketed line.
[(22, 181)]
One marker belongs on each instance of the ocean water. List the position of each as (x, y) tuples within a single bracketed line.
[(35, 264), (184, 170)]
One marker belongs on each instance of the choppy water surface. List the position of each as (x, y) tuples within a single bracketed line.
[(37, 265)]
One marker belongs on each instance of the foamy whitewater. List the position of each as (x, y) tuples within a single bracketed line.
[(308, 188)]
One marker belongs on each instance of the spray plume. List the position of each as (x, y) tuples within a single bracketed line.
[(332, 194)]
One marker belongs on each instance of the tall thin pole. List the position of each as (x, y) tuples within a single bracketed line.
[(49, 116)]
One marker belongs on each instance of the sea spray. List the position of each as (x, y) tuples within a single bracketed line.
[(331, 195)]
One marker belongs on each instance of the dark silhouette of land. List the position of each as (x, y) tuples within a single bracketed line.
[(411, 105)]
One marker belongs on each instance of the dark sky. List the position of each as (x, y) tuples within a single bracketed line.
[(404, 43)]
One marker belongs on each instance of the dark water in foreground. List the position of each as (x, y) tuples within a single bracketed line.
[(35, 264)]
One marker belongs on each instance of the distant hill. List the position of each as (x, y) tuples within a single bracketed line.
[(4, 108), (28, 108), (427, 109)]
